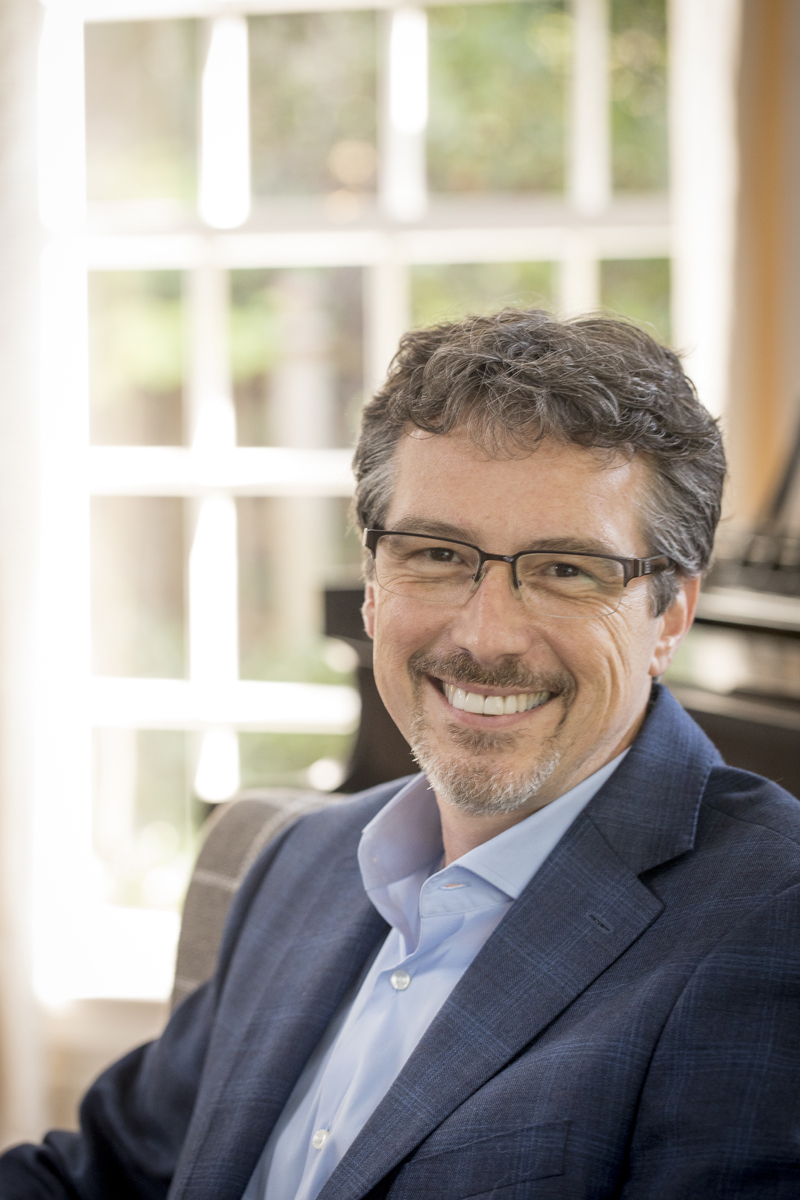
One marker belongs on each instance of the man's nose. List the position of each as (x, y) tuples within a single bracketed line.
[(494, 623)]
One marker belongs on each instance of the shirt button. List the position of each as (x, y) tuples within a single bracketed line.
[(399, 980), (320, 1138)]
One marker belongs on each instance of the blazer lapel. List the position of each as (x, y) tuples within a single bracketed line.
[(581, 911)]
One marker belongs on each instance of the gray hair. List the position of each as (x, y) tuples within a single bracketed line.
[(517, 377)]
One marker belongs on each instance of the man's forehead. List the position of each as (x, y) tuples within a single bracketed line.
[(450, 486), (419, 448)]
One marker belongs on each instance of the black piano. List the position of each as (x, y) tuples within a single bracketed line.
[(738, 671)]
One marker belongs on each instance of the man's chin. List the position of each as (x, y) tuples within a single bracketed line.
[(472, 774)]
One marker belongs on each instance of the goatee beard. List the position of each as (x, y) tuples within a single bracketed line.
[(460, 777)]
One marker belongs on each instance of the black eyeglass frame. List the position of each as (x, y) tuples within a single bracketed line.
[(632, 568)]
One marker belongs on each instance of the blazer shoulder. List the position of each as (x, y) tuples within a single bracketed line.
[(754, 800)]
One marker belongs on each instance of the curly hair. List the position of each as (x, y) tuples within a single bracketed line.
[(517, 377)]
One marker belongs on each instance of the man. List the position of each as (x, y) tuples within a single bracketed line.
[(564, 962)]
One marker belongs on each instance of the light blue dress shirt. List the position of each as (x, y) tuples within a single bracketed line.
[(440, 919)]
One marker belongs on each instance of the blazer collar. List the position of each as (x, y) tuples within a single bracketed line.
[(648, 810), (581, 911)]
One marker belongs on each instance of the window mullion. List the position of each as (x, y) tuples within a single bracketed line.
[(213, 559), (703, 57), (589, 154), (224, 199), (403, 103), (589, 167), (387, 314)]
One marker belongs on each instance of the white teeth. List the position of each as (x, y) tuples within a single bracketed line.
[(494, 706)]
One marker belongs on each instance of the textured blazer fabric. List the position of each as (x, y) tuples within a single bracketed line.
[(631, 1029)]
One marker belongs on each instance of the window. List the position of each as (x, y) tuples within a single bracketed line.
[(246, 209)]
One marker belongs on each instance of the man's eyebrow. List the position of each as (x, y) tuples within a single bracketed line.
[(435, 528), (453, 532), (576, 545)]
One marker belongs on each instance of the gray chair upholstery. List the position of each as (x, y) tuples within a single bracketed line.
[(234, 837)]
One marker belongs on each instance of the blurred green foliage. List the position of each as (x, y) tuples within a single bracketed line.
[(141, 100), (136, 351), (498, 80), (272, 645), (639, 288), (281, 760), (162, 791), (253, 324), (258, 344), (451, 291), (296, 660), (638, 66), (324, 66), (147, 839)]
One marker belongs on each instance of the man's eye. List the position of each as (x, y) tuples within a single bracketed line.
[(555, 570), (441, 554), (552, 569)]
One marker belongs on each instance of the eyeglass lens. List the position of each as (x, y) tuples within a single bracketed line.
[(442, 572)]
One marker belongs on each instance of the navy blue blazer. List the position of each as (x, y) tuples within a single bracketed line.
[(631, 1029)]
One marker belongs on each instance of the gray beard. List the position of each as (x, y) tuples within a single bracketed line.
[(460, 777)]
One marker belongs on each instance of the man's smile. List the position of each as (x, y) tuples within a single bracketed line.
[(492, 704), (504, 696)]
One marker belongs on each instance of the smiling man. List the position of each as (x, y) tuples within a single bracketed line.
[(564, 960)]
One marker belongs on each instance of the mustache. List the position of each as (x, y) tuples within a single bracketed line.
[(511, 673)]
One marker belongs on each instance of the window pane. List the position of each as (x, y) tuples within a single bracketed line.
[(296, 356), (638, 288), (141, 98), (313, 111), (442, 293), (498, 77), (138, 586), (639, 94), (290, 549), (145, 820), (136, 357), (294, 759)]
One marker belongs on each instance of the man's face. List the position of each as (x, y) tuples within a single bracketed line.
[(589, 679)]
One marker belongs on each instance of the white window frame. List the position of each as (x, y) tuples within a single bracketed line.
[(83, 947)]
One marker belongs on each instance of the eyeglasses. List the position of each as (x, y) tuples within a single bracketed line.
[(554, 583)]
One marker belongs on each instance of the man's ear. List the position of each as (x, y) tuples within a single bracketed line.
[(674, 624), (368, 609)]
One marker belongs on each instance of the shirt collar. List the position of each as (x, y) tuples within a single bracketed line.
[(406, 836)]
